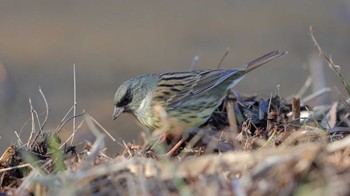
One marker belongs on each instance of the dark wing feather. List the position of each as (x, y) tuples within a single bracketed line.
[(173, 88), (177, 87), (210, 79)]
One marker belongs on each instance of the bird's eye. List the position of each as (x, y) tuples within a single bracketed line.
[(125, 100)]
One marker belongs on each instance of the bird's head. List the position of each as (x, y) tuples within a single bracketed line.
[(130, 94), (123, 99)]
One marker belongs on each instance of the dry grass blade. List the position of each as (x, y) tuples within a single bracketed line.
[(59, 128), (19, 140), (70, 137), (63, 121), (74, 101), (335, 68), (33, 124), (223, 58), (47, 109), (16, 167), (103, 129)]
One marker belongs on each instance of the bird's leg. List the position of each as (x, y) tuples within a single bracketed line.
[(178, 144), (184, 136), (162, 139)]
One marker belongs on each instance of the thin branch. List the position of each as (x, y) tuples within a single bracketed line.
[(328, 58), (127, 148), (47, 108), (315, 41), (63, 119), (16, 167), (40, 131), (74, 101), (67, 120), (23, 126), (223, 58), (103, 129), (37, 119), (20, 143), (33, 123), (65, 142)]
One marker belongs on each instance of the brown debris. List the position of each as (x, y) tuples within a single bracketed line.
[(264, 157)]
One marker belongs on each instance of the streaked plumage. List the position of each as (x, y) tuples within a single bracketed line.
[(188, 97)]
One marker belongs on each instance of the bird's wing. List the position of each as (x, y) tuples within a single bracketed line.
[(174, 88), (209, 79)]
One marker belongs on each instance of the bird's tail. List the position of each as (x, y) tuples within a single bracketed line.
[(262, 60)]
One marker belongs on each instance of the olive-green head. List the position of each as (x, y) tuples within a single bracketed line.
[(130, 94)]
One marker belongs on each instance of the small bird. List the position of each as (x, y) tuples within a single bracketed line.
[(188, 97)]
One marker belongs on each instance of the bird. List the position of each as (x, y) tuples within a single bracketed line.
[(188, 98)]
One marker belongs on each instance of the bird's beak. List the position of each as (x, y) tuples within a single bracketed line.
[(117, 111)]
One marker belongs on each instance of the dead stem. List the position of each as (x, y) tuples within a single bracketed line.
[(223, 57), (103, 129), (33, 124), (74, 102), (47, 109)]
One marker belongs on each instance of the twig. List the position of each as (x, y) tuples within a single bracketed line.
[(268, 140), (33, 123), (74, 102), (47, 109), (194, 140), (70, 118), (223, 58), (328, 58), (63, 119), (18, 139), (315, 41), (41, 126), (65, 142), (16, 167), (103, 129), (40, 131), (25, 123), (37, 118)]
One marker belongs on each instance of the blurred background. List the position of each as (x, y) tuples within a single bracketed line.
[(111, 41)]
